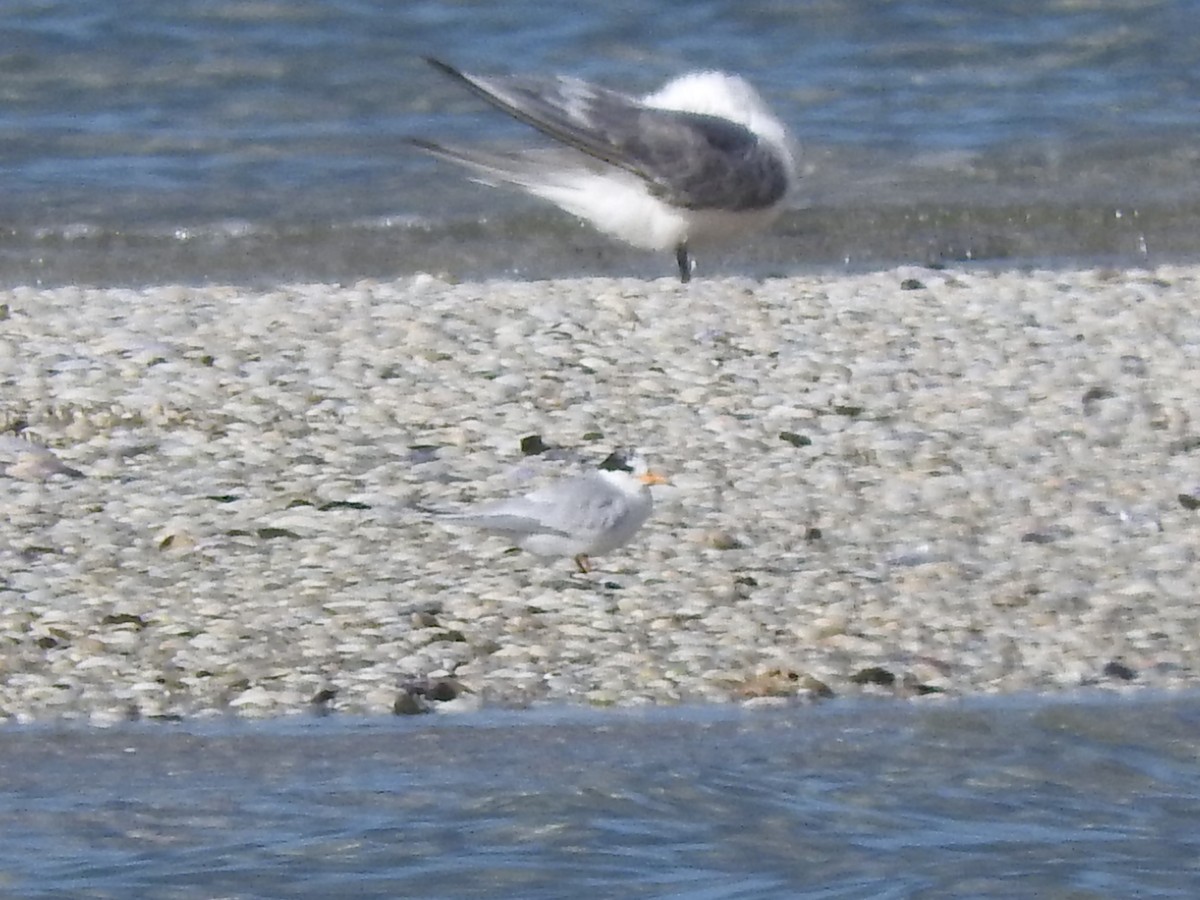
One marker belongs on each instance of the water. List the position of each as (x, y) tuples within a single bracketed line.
[(211, 140), (1085, 798)]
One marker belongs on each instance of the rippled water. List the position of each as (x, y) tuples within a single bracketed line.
[(1018, 798), (218, 139)]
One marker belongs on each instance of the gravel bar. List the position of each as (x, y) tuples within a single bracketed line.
[(907, 483)]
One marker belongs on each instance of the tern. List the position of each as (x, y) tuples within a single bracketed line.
[(700, 161), (579, 516)]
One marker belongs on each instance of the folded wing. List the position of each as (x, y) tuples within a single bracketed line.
[(690, 160)]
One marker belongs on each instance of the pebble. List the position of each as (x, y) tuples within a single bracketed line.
[(984, 483)]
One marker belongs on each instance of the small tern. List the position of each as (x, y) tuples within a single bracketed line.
[(581, 516), (29, 461), (700, 161)]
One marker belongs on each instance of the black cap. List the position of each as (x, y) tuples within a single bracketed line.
[(620, 460)]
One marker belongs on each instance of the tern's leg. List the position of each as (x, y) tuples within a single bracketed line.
[(684, 261), (582, 561)]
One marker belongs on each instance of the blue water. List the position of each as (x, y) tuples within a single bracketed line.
[(207, 139), (1086, 798)]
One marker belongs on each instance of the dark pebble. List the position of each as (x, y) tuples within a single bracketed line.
[(816, 687), (124, 619), (1037, 537), (323, 696), (443, 690), (920, 689), (1119, 671), (532, 445), (268, 534), (1092, 396), (422, 453), (1185, 444), (796, 440), (874, 675), (409, 705)]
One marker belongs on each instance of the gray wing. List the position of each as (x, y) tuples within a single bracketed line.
[(574, 507), (583, 506), (504, 518), (528, 168), (690, 160)]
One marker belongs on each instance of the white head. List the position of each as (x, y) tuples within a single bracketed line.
[(627, 468), (727, 96)]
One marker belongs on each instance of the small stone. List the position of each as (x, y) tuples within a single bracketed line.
[(422, 453), (772, 683), (717, 539), (252, 697), (1118, 670), (533, 445), (796, 440), (816, 687), (323, 697), (874, 675), (443, 689), (409, 705), (1092, 397), (269, 534), (1038, 537), (177, 541), (916, 688)]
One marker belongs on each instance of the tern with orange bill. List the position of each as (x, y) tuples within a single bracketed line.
[(580, 517)]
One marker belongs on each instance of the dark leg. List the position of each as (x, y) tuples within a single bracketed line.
[(684, 262)]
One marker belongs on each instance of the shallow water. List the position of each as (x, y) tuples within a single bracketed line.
[(208, 141), (1082, 798)]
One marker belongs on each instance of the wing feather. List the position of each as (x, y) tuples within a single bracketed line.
[(690, 160)]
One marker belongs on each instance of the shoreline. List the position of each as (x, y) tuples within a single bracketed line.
[(895, 482)]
